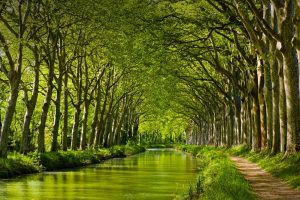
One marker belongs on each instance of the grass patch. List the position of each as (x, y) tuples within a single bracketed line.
[(218, 178), (285, 168)]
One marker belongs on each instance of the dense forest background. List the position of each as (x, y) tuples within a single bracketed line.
[(85, 74)]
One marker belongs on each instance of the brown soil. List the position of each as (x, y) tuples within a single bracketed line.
[(264, 185)]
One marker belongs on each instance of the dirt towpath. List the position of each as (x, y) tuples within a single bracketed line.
[(263, 184)]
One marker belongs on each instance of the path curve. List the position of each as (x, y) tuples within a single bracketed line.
[(263, 184)]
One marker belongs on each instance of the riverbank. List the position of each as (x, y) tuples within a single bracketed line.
[(17, 164), (218, 177)]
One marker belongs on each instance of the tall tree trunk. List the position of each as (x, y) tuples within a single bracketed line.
[(256, 137), (282, 111), (9, 113), (45, 109), (61, 54), (136, 128), (50, 50), (262, 105), (83, 142), (30, 106), (54, 143), (285, 15), (66, 115), (269, 105), (244, 123), (274, 64), (96, 116), (100, 125), (275, 96), (108, 130), (250, 121), (267, 78), (231, 125), (75, 132), (13, 75), (119, 126)]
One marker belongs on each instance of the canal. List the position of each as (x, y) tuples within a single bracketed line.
[(158, 174)]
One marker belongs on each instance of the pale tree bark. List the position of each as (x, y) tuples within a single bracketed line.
[(30, 105), (297, 45), (77, 105), (100, 124), (50, 59), (61, 54), (119, 125), (13, 74), (285, 14), (282, 109), (86, 105), (108, 119), (275, 86), (75, 129), (66, 115), (95, 115), (262, 105), (256, 136), (267, 81)]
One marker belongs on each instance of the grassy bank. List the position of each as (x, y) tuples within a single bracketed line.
[(218, 177), (285, 168), (17, 164)]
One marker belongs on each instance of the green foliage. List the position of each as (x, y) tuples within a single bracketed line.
[(118, 151), (133, 149), (63, 160), (17, 164)]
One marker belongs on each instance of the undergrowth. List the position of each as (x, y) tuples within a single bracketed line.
[(218, 178), (17, 164)]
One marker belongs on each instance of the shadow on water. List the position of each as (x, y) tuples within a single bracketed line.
[(156, 174)]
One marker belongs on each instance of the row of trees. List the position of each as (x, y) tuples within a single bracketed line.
[(239, 71), (65, 86), (86, 73)]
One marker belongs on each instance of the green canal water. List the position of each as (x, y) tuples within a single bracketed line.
[(158, 174)]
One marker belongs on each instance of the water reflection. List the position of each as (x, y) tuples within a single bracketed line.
[(155, 174)]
